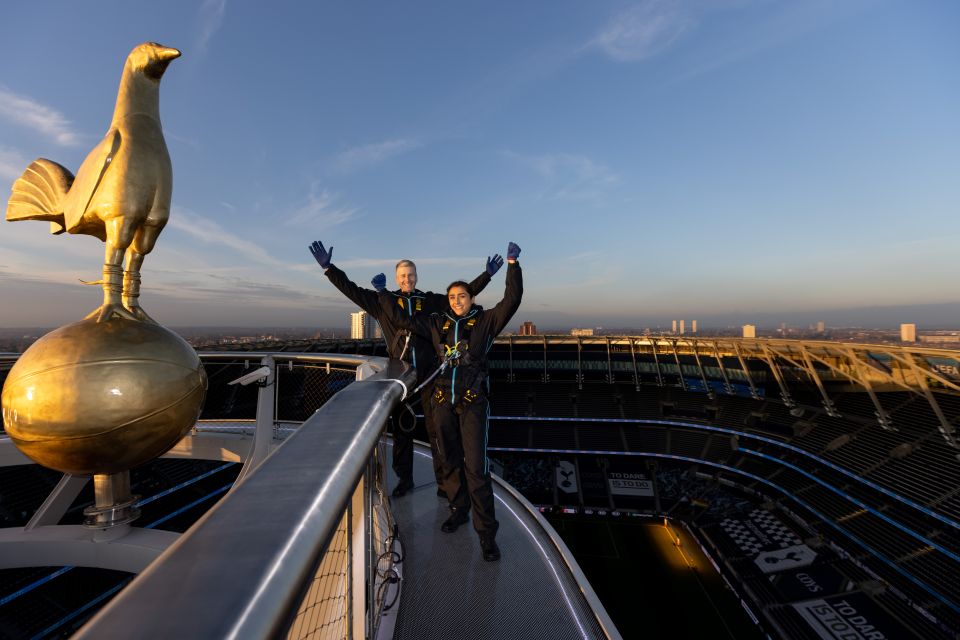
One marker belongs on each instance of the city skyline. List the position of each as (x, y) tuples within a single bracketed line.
[(735, 162)]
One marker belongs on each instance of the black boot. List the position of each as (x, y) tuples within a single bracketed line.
[(489, 548), (458, 516), (405, 485)]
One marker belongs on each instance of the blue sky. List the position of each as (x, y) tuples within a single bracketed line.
[(728, 160)]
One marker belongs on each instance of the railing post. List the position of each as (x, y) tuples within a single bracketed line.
[(372, 560), (358, 560), (264, 433)]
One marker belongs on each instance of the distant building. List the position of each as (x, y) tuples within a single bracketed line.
[(673, 329), (581, 332), (528, 329), (821, 327), (908, 332), (682, 329), (749, 331), (363, 326), (693, 326)]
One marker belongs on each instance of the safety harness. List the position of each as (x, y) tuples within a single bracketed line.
[(455, 354), (412, 303)]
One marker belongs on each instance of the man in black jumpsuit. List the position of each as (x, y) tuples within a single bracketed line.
[(420, 352), (463, 335)]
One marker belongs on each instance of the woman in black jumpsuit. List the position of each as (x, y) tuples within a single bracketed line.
[(410, 301), (463, 336)]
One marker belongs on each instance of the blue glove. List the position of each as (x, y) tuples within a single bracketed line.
[(513, 251), (321, 255), (379, 282), (494, 264)]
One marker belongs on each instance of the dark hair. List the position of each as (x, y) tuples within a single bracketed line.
[(459, 283)]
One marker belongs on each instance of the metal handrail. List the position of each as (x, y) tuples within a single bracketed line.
[(593, 601), (242, 569), (321, 358)]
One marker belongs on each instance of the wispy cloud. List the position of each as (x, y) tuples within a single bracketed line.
[(39, 117), (645, 30), (780, 24), (569, 176), (210, 232), (12, 164), (369, 155), (239, 289), (190, 142), (652, 27), (210, 19), (322, 210)]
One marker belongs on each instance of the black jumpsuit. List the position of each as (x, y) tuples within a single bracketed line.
[(460, 404), (421, 352)]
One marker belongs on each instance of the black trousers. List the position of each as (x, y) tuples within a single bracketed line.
[(403, 440), (463, 438)]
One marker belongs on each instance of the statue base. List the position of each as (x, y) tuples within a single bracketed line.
[(113, 505)]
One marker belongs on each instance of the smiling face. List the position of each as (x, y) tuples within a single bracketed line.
[(460, 299), (407, 276)]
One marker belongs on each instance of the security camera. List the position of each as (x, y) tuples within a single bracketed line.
[(254, 376)]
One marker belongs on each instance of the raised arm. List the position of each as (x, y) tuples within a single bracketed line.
[(437, 302), (500, 315), (363, 298), (480, 282)]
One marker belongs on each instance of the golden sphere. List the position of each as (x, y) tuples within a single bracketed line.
[(99, 398)]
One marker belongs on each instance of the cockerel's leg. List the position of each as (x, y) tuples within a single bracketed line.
[(143, 242), (113, 273), (131, 286)]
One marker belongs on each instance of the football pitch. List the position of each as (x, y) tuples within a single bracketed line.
[(651, 586)]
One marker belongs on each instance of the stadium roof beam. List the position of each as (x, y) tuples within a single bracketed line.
[(609, 363), (908, 359), (812, 370), (703, 374), (727, 387), (862, 370), (546, 375), (656, 361), (864, 380), (746, 372), (807, 365), (579, 362), (788, 400), (676, 356), (946, 429)]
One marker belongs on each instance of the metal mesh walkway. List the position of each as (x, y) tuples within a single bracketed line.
[(449, 591)]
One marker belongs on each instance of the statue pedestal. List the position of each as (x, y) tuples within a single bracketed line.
[(113, 504)]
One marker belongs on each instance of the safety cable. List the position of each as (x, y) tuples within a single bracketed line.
[(413, 425), (453, 353), (390, 575), (406, 343)]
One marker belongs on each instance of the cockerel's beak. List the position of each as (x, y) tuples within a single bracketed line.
[(168, 53)]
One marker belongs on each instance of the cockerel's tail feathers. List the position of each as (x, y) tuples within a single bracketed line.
[(38, 194)]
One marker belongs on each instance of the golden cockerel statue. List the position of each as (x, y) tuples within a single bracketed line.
[(121, 194)]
